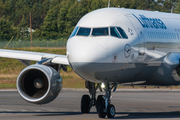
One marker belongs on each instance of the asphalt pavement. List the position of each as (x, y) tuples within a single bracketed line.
[(130, 104)]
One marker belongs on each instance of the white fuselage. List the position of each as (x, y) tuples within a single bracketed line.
[(122, 45)]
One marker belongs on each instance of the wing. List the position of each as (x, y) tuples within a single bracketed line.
[(33, 56)]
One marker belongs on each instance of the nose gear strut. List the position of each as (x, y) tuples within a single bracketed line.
[(103, 102), (106, 108)]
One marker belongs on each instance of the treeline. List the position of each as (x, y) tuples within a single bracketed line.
[(57, 18)]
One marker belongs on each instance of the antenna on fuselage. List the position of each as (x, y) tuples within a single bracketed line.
[(109, 4)]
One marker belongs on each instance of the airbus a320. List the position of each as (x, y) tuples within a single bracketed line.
[(110, 46)]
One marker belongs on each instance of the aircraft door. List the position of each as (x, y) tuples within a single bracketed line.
[(139, 30)]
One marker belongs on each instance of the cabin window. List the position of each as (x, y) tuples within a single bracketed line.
[(121, 31), (114, 32), (100, 32), (84, 32), (74, 32)]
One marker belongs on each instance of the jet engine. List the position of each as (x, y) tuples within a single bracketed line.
[(39, 84)]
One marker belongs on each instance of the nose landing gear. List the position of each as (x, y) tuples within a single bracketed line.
[(106, 108), (103, 102)]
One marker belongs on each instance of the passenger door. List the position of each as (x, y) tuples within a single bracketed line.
[(139, 30)]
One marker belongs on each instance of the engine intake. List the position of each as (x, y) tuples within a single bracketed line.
[(39, 84)]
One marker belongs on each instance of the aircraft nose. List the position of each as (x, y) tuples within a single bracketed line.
[(84, 57), (86, 52)]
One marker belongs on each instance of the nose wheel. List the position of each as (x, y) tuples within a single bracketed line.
[(85, 104), (86, 101), (104, 106), (111, 111), (103, 103)]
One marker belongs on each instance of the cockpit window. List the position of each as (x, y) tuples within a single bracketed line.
[(100, 32), (121, 31), (74, 32), (114, 32), (84, 32)]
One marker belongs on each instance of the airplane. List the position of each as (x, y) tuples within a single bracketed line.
[(108, 46)]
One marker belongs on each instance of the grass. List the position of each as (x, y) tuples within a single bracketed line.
[(44, 50), (7, 86), (70, 80)]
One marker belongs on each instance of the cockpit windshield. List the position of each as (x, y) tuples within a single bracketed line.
[(114, 32), (100, 32), (84, 32), (74, 32), (121, 31), (97, 32)]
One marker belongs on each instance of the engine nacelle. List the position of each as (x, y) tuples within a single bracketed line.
[(39, 84)]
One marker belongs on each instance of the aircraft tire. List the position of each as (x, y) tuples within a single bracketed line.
[(100, 101), (111, 111), (101, 112), (85, 104)]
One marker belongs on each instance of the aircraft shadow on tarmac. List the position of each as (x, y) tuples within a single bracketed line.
[(119, 115), (127, 115), (140, 115)]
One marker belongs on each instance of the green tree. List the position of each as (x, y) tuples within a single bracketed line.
[(57, 18), (62, 19), (37, 33), (177, 9), (74, 14), (22, 31), (6, 30), (96, 4), (49, 27)]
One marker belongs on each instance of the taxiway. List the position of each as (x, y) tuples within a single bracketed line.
[(130, 104)]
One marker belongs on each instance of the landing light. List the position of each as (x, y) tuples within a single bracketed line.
[(102, 85)]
